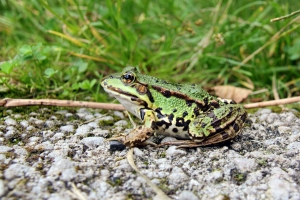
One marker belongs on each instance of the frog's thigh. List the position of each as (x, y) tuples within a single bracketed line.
[(216, 121)]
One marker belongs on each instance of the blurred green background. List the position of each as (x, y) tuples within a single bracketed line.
[(62, 49)]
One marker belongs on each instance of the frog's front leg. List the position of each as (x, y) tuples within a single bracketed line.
[(140, 134)]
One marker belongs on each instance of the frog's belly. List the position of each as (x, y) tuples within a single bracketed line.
[(172, 130)]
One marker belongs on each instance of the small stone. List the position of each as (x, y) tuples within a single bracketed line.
[(89, 117), (69, 115), (93, 142), (116, 146), (284, 130), (119, 114), (83, 130), (38, 122), (17, 116), (121, 123), (57, 136), (24, 123), (245, 164), (263, 111), (67, 128), (106, 118), (34, 139), (187, 195), (100, 132), (174, 151), (93, 124), (293, 148), (177, 176), (17, 171), (10, 122), (61, 112), (215, 176), (49, 123), (138, 152), (5, 149), (236, 146), (9, 134), (3, 188), (272, 117)]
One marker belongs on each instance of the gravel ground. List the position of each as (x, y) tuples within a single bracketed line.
[(46, 154)]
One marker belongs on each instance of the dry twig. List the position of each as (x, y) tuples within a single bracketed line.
[(111, 106), (56, 102)]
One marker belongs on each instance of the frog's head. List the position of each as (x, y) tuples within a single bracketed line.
[(130, 89)]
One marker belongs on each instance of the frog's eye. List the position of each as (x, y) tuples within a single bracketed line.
[(128, 77)]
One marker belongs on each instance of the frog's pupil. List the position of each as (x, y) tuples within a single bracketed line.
[(128, 77)]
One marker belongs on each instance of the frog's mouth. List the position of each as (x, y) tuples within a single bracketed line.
[(119, 93)]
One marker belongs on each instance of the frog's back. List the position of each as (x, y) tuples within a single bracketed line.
[(182, 91)]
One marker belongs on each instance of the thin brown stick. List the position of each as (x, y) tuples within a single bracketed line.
[(273, 103), (285, 16), (111, 106), (55, 102)]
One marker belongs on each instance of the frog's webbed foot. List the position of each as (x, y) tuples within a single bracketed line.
[(137, 137)]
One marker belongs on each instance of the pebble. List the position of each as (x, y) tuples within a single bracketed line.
[(284, 130), (138, 152), (10, 122), (245, 164), (215, 176), (121, 123), (174, 151), (177, 176), (83, 130), (119, 114), (5, 149), (93, 142), (50, 123), (3, 188), (24, 123), (67, 128), (100, 132), (187, 195)]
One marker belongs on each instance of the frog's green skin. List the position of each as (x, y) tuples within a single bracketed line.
[(179, 110)]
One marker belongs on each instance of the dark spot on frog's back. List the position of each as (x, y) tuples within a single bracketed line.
[(167, 93), (150, 96), (158, 113), (181, 123), (175, 130), (171, 117), (184, 114), (189, 102)]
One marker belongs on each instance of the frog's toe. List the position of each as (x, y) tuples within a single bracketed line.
[(119, 139)]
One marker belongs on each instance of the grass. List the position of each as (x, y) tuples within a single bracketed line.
[(61, 49)]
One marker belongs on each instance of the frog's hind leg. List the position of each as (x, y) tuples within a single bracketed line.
[(218, 125)]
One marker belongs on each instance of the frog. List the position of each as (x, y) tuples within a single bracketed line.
[(183, 111)]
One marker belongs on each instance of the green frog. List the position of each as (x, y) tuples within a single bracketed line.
[(183, 111)]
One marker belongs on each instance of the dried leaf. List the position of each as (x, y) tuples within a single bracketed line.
[(231, 92)]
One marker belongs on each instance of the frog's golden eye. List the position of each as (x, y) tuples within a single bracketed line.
[(128, 77)]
